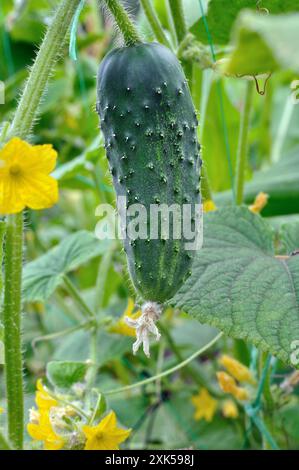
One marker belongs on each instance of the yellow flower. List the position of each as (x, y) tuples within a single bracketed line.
[(24, 176), (41, 430), (260, 202), (1, 410), (230, 409), (42, 397), (209, 205), (121, 327), (229, 385), (106, 435), (205, 405), (240, 372)]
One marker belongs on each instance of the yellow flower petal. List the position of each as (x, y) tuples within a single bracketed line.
[(237, 370), (43, 431), (42, 397), (24, 177), (260, 202), (42, 159), (106, 435), (209, 205), (40, 191), (205, 405), (230, 409), (11, 198), (228, 384), (15, 150)]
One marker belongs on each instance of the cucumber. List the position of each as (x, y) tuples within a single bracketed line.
[(150, 129)]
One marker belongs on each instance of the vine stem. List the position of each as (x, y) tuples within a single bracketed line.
[(12, 328), (22, 124), (179, 20), (75, 294), (243, 143), (176, 8), (168, 371), (125, 25), (154, 22)]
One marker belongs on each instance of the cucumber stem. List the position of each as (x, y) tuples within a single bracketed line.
[(176, 7), (154, 22), (12, 329), (123, 22), (243, 143)]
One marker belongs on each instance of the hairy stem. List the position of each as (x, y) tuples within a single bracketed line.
[(123, 22), (243, 143), (49, 52), (12, 329), (22, 124), (154, 22)]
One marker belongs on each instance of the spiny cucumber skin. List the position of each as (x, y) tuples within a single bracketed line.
[(150, 129)]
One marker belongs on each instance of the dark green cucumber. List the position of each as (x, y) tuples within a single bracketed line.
[(150, 129)]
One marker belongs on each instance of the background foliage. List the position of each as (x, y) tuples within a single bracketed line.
[(62, 253)]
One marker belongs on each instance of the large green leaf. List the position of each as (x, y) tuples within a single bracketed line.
[(265, 43), (281, 182), (290, 236), (222, 14), (43, 275), (239, 286)]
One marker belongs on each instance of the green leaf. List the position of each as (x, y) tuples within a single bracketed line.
[(76, 347), (42, 276), (238, 286), (290, 236), (281, 182), (264, 43), (65, 374), (222, 14)]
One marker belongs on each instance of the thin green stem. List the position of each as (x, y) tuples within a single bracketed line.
[(243, 143), (102, 278), (50, 50), (176, 8), (154, 22), (12, 329), (4, 445), (282, 130), (75, 294), (123, 22), (93, 368), (60, 334), (168, 371)]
